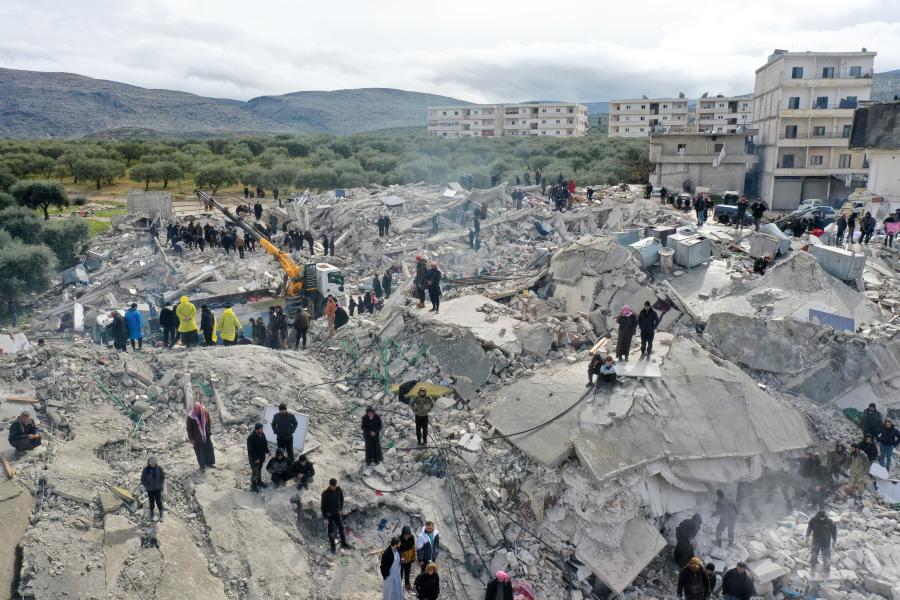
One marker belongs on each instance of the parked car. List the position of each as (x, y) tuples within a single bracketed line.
[(726, 214), (818, 217), (810, 203)]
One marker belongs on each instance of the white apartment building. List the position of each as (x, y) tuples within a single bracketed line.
[(637, 118), (723, 114), (803, 104), (565, 119)]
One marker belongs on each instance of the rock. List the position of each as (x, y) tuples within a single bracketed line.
[(757, 550), (109, 502), (877, 586)]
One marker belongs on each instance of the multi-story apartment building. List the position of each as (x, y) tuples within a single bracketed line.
[(803, 105), (558, 119), (684, 161), (637, 118), (723, 114)]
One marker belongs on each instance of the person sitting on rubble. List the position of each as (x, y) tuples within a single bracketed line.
[(153, 478), (727, 512), (838, 461), (119, 330), (23, 433), (594, 369), (428, 544), (737, 584), (888, 439), (607, 374), (257, 449), (627, 325), (304, 471), (187, 324), (823, 532), (868, 447), (428, 584), (371, 428), (685, 533), (280, 468), (693, 584), (858, 469), (499, 588)]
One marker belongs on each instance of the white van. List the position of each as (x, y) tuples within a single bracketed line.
[(811, 203)]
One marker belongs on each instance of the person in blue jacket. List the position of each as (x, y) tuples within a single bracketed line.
[(135, 327)]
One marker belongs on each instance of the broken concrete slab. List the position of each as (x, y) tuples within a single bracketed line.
[(460, 355), (466, 312), (186, 568), (121, 537), (65, 562), (15, 509), (618, 558), (109, 502)]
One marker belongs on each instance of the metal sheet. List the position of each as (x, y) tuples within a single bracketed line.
[(269, 411)]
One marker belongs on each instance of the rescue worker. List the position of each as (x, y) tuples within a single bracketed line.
[(280, 469), (627, 324), (229, 326), (301, 327), (135, 323), (371, 427), (433, 282), (169, 323), (23, 433), (823, 532), (332, 512), (187, 324), (257, 449), (284, 424), (421, 405), (207, 325), (153, 478), (420, 284), (693, 584), (648, 321), (727, 512)]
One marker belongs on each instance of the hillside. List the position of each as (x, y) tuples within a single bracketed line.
[(37, 104)]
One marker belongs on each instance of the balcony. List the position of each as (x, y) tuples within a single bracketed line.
[(801, 113)]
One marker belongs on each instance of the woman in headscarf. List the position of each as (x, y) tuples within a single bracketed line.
[(627, 325), (199, 431), (407, 554), (390, 571), (500, 588)]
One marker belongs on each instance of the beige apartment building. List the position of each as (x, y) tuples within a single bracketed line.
[(639, 117), (683, 161), (724, 114), (803, 105), (566, 119)]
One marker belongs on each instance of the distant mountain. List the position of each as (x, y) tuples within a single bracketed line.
[(38, 104), (597, 107), (886, 85)]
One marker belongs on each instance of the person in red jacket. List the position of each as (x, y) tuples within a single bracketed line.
[(571, 186)]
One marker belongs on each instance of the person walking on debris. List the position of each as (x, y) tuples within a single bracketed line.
[(229, 326), (153, 478), (871, 421), (280, 468), (386, 284), (693, 584), (407, 552), (187, 322), (685, 533), (710, 570), (381, 226), (858, 469), (851, 227), (627, 324), (376, 286), (208, 325), (648, 321), (838, 461), (700, 208), (23, 433), (499, 588), (330, 313), (169, 324), (390, 571), (239, 245), (119, 331), (737, 583), (371, 427), (199, 432), (258, 331), (332, 512), (257, 449), (741, 212), (284, 424), (420, 282), (841, 224), (304, 470), (607, 374), (301, 326), (257, 210), (421, 405), (281, 328), (428, 544), (594, 369), (888, 439), (866, 228), (428, 584), (757, 210), (727, 512), (433, 282), (135, 323), (823, 532)]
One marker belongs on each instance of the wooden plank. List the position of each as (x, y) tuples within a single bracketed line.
[(27, 399), (10, 470)]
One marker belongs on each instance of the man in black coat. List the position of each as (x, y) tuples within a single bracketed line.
[(304, 471), (386, 283), (169, 323), (332, 512), (872, 421), (23, 433), (257, 211), (737, 583), (371, 427), (284, 424), (648, 321), (257, 449), (499, 588)]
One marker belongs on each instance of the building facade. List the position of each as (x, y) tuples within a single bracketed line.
[(876, 131), (803, 105), (638, 118), (682, 161), (567, 119), (724, 114)]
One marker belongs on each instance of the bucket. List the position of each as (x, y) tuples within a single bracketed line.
[(665, 259)]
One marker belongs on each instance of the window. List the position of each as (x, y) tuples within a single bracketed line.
[(557, 121), (827, 72), (682, 148), (643, 106), (822, 102), (846, 132), (627, 129), (790, 132), (797, 73), (543, 121), (794, 102), (856, 71), (787, 161), (816, 160), (456, 113), (628, 107), (642, 130), (445, 113), (665, 106), (642, 118), (844, 161), (717, 148), (819, 131)]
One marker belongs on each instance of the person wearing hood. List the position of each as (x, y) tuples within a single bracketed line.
[(371, 428), (386, 284), (119, 331), (433, 282), (627, 325), (859, 468), (727, 512), (685, 533), (208, 325), (499, 588), (280, 469), (390, 571), (421, 285), (648, 321), (229, 326), (823, 532), (428, 544), (199, 432), (135, 323), (693, 584), (257, 449), (737, 584), (376, 286), (428, 584), (304, 470), (187, 322), (888, 439), (153, 478), (407, 552)]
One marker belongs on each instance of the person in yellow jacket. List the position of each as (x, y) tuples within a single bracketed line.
[(187, 321), (229, 326)]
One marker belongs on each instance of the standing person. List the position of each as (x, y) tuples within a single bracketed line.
[(435, 222), (301, 326), (499, 588), (330, 313), (867, 228), (420, 282), (239, 244), (281, 327), (627, 325), (407, 552), (428, 544), (272, 328), (119, 332), (284, 424), (259, 331), (187, 322), (169, 323), (741, 213), (700, 209), (841, 224), (757, 210), (868, 447), (23, 433), (332, 512), (153, 478), (381, 226), (872, 421), (428, 584), (257, 210), (199, 432), (208, 325), (371, 427), (390, 571), (727, 512), (571, 187), (888, 439), (376, 286), (823, 532), (421, 405), (387, 225), (858, 469), (353, 305), (851, 226), (710, 570), (257, 449), (663, 194), (386, 284), (648, 321), (324, 244), (310, 242), (304, 470), (135, 323), (693, 584), (685, 533), (737, 583), (331, 246), (648, 191), (229, 326), (433, 282)]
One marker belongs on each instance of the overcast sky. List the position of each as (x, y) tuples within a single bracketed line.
[(478, 50)]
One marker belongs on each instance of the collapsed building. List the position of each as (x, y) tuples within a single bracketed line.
[(574, 490)]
